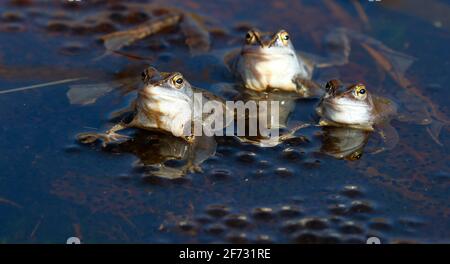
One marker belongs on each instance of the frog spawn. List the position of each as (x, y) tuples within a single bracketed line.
[(346, 216), (110, 196), (12, 22), (349, 218)]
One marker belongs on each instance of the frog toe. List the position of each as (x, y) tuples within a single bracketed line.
[(113, 137), (194, 169), (87, 138), (325, 122), (117, 137), (190, 139)]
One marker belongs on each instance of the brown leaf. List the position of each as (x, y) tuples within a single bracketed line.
[(117, 40), (197, 36)]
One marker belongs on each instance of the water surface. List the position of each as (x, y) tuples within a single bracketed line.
[(52, 188)]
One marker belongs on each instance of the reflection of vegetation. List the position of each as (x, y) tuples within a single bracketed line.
[(436, 12), (393, 37)]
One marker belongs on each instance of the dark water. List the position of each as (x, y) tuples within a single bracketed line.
[(52, 188)]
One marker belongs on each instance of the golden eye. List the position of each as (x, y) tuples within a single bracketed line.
[(249, 37), (284, 37), (360, 91), (178, 81)]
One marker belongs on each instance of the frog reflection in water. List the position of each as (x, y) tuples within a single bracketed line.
[(268, 117), (344, 142), (269, 61), (354, 107), (165, 103), (157, 150)]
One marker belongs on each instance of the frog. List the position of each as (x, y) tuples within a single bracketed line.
[(353, 106), (269, 61), (166, 102)]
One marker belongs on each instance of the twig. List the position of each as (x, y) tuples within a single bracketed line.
[(361, 13), (9, 202), (40, 85), (340, 13), (38, 224)]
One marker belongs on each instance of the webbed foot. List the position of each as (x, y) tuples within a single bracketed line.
[(307, 88), (194, 168), (325, 122)]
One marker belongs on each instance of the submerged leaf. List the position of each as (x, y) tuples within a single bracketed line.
[(197, 36), (85, 94), (396, 64), (340, 14), (117, 40)]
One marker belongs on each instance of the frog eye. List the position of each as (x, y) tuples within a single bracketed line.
[(249, 37), (284, 37), (178, 81), (360, 91)]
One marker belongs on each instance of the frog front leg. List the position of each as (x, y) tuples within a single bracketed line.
[(189, 139), (190, 128), (307, 88), (106, 138), (186, 131), (193, 168)]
